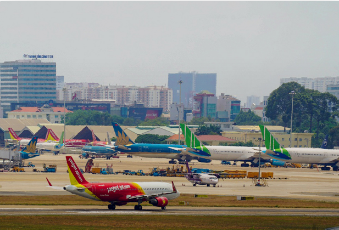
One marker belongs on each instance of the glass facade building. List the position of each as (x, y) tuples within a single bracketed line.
[(193, 83), (27, 81)]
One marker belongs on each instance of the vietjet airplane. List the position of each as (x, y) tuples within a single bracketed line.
[(201, 178), (119, 193)]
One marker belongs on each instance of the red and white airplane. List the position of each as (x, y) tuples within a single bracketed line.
[(50, 137), (119, 193)]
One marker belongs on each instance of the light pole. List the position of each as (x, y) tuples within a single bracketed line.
[(180, 82), (291, 93), (64, 90), (258, 183)]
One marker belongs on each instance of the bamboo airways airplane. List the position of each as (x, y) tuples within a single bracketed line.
[(322, 156), (119, 193), (227, 153)]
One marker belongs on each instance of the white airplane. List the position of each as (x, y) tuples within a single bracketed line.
[(118, 193), (201, 178), (224, 153), (326, 157)]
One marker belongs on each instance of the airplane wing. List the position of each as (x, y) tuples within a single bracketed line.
[(53, 187)]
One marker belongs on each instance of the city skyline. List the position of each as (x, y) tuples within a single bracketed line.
[(249, 45)]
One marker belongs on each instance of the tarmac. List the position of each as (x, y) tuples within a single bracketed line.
[(295, 183)]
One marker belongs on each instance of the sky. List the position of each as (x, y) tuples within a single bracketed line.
[(249, 45)]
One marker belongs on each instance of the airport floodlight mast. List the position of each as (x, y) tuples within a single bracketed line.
[(180, 82), (291, 93), (258, 183), (64, 90)]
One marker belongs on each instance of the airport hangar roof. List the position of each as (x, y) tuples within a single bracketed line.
[(19, 124)]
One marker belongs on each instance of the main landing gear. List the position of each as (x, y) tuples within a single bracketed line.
[(137, 207), (111, 206)]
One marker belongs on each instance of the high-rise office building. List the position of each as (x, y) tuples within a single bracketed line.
[(192, 83), (27, 81)]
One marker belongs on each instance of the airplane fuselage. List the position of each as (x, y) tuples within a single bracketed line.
[(121, 192)]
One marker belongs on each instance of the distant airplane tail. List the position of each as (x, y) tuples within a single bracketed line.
[(122, 138), (193, 142), (273, 148), (75, 175), (93, 136), (270, 142), (51, 136), (324, 144), (109, 142), (13, 135), (30, 149)]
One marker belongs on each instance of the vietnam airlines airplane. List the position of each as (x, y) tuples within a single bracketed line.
[(126, 145), (201, 178), (119, 193), (326, 157), (89, 150), (224, 153), (29, 151)]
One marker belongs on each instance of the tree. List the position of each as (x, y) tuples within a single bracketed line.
[(208, 130), (199, 120), (151, 139), (88, 117), (247, 118)]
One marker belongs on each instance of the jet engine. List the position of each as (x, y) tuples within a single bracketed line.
[(159, 201), (278, 162), (203, 160)]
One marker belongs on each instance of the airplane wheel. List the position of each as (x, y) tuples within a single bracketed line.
[(163, 208), (335, 168), (208, 185), (194, 184), (214, 185), (111, 207), (137, 207)]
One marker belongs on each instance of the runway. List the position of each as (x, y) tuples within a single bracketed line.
[(17, 210)]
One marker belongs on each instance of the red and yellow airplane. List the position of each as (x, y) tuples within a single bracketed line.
[(119, 193)]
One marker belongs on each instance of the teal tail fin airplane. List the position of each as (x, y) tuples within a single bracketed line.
[(273, 148), (30, 149), (122, 137), (61, 142), (193, 144)]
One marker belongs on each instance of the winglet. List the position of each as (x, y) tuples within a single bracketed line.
[(48, 182), (174, 188), (122, 137)]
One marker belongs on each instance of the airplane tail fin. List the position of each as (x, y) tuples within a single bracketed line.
[(30, 149), (324, 144), (109, 142), (51, 136), (75, 175), (270, 142), (193, 142), (93, 136), (61, 140), (122, 138), (188, 168), (13, 135)]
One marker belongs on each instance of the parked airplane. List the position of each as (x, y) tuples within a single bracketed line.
[(326, 157), (24, 141), (126, 145), (101, 143), (119, 193), (201, 178), (107, 151), (60, 147), (224, 153), (29, 151)]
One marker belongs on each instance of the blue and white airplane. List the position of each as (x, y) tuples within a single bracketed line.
[(126, 145), (90, 150)]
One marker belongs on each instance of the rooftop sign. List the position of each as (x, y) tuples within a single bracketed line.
[(37, 56)]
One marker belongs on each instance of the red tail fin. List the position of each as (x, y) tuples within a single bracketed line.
[(13, 135), (75, 174), (51, 136)]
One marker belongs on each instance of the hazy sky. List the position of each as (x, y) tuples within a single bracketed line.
[(250, 45)]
